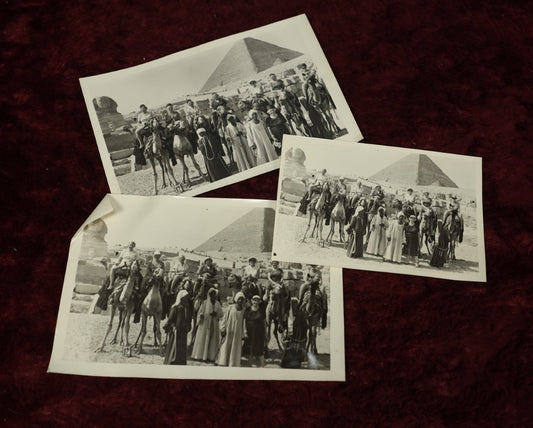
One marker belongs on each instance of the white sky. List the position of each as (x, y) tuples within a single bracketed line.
[(164, 222), (365, 160), (159, 84)]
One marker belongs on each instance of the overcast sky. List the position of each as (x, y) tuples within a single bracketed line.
[(161, 222), (365, 160), (158, 84)]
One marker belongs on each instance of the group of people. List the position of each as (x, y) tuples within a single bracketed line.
[(250, 133), (393, 229), (218, 334)]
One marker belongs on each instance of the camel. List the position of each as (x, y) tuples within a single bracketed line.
[(152, 306), (453, 221), (338, 216), (122, 300), (314, 305), (317, 210), (183, 147), (427, 230), (274, 314), (317, 95)]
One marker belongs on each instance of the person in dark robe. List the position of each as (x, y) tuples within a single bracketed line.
[(411, 240), (277, 126), (356, 231), (177, 327), (255, 332), (212, 153), (440, 251)]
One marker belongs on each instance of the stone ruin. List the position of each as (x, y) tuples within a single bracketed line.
[(109, 118)]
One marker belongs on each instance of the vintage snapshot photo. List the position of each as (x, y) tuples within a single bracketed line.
[(185, 288), (380, 208), (214, 115)]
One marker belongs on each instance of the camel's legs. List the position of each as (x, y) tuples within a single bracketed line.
[(197, 167), (185, 169), (170, 173), (142, 333), (308, 226), (152, 162), (276, 322), (114, 340), (157, 332), (341, 230), (109, 326), (331, 232), (155, 335), (162, 173), (126, 327)]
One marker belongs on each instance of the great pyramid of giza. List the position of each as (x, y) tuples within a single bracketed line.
[(414, 170), (246, 58), (252, 233)]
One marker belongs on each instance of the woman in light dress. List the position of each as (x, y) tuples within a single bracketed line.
[(259, 140), (236, 138)]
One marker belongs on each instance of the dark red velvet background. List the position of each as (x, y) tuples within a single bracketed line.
[(452, 76)]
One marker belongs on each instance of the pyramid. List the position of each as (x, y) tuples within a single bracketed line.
[(251, 233), (414, 170), (246, 58)]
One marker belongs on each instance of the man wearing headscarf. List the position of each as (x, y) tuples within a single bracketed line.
[(177, 327), (232, 332), (212, 153), (377, 243), (259, 140), (395, 238), (356, 231), (207, 339)]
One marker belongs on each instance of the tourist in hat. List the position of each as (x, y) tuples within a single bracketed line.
[(277, 126), (409, 197), (236, 138), (207, 340), (144, 117), (377, 243), (177, 327), (207, 267), (122, 266), (377, 194), (411, 240), (212, 153), (395, 237), (259, 140), (232, 332), (191, 111), (256, 331), (255, 89), (252, 271), (356, 231)]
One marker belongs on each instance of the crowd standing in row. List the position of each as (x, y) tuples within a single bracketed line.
[(249, 134), (195, 310), (390, 230)]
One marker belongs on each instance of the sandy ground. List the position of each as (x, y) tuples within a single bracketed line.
[(85, 331), (290, 229)]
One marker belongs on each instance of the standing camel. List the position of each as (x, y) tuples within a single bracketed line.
[(183, 147), (123, 300), (454, 223), (338, 216), (152, 150), (274, 314), (315, 307), (427, 230), (152, 306), (317, 210)]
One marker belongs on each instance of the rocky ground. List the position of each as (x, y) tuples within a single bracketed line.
[(290, 229), (85, 331)]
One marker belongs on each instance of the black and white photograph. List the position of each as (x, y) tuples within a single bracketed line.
[(191, 292), (214, 115), (380, 208)]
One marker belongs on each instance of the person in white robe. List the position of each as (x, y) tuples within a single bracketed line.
[(395, 237), (232, 331), (236, 138), (207, 339), (377, 243), (259, 140)]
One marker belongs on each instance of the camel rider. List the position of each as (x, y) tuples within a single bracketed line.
[(123, 264), (426, 200), (207, 267), (143, 122), (252, 271), (377, 192), (312, 284), (179, 270), (316, 185), (156, 268), (409, 197)]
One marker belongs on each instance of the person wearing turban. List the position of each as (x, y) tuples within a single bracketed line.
[(237, 140), (232, 332), (212, 153), (356, 231), (207, 339), (377, 243), (258, 139), (395, 237), (177, 327)]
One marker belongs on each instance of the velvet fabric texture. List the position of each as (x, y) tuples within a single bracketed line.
[(450, 76)]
